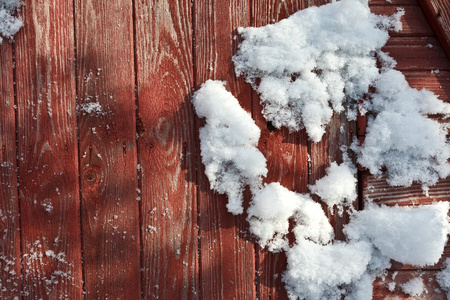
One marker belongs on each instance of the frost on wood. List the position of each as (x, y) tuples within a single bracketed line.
[(9, 24), (228, 144), (401, 137), (338, 187), (306, 66)]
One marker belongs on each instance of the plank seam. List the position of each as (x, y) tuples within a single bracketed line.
[(196, 158), (138, 158), (16, 122), (80, 192)]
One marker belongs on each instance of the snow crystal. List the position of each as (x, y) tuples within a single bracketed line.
[(415, 236), (414, 287), (271, 209), (303, 80), (228, 144), (90, 107), (317, 271), (338, 187), (411, 146), (9, 24), (443, 278)]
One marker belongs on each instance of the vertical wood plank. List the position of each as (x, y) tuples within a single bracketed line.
[(227, 253), (286, 154), (340, 132), (47, 152), (9, 203), (166, 129), (108, 156)]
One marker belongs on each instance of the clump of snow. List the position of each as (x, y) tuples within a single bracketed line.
[(271, 209), (443, 278), (415, 236), (9, 24), (321, 271), (338, 187), (303, 79), (414, 287), (228, 144), (411, 146)]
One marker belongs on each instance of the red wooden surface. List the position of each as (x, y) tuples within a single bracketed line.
[(47, 153), (149, 226), (107, 149), (166, 129), (9, 202)]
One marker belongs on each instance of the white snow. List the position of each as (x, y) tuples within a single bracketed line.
[(415, 236), (9, 23), (304, 79), (413, 287), (319, 271), (338, 187), (228, 144), (271, 209), (443, 277), (411, 146)]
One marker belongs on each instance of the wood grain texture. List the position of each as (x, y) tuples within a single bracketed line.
[(438, 15), (417, 53), (108, 155), (286, 154), (47, 152), (167, 149), (227, 264), (9, 202)]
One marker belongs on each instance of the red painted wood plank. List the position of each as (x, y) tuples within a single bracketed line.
[(393, 2), (9, 203), (286, 154), (167, 149), (227, 263), (417, 53), (47, 152), (108, 155), (438, 15), (414, 21), (391, 286)]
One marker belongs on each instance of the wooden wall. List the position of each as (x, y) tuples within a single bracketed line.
[(113, 203)]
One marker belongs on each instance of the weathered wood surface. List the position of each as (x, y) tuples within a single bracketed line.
[(166, 142), (47, 153), (107, 148), (9, 202), (125, 211)]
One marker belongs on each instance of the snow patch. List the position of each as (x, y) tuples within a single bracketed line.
[(228, 144), (9, 23)]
